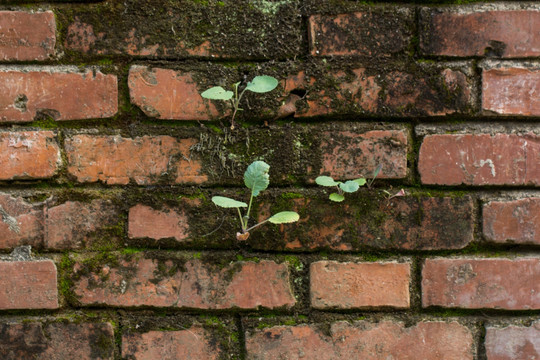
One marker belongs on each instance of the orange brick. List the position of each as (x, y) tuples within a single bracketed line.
[(473, 283), (143, 160), (28, 285), (359, 285), (29, 155), (64, 93), (145, 222), (27, 36), (363, 340), (162, 283)]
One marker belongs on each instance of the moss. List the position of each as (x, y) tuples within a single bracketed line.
[(65, 282)]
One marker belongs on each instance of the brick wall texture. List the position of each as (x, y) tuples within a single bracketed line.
[(110, 245)]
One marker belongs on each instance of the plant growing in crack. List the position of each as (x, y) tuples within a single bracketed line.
[(349, 186), (260, 84), (256, 178)]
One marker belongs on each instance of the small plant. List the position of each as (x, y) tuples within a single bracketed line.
[(259, 84), (349, 186), (256, 178)]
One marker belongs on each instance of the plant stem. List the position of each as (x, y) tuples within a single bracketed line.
[(241, 220), (254, 226), (249, 207)]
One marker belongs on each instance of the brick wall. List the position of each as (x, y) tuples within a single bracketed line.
[(109, 157)]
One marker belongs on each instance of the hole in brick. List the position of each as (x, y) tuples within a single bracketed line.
[(20, 102), (45, 114), (495, 49), (299, 92)]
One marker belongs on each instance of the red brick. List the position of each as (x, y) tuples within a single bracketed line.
[(510, 284), (145, 222), (348, 155), (56, 341), (64, 93), (480, 159), (168, 94), (479, 32), (147, 282), (194, 343), (28, 285), (373, 33), (29, 218), (513, 342), (366, 219), (363, 340), (512, 221), (250, 32), (359, 285), (72, 225), (144, 160), (27, 36), (29, 155), (511, 91), (432, 90)]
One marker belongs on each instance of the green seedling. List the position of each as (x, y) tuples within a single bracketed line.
[(349, 186), (259, 84), (256, 178)]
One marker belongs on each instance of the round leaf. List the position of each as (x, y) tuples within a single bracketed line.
[(217, 93), (256, 177), (262, 84), (326, 181), (349, 186), (284, 217), (337, 197), (226, 202), (360, 181)]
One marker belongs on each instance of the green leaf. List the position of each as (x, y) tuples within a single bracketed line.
[(284, 217), (377, 171), (262, 84), (349, 186), (360, 181), (256, 177), (226, 202), (337, 197), (217, 93), (326, 181)]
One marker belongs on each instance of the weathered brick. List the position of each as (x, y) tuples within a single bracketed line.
[(168, 94), (473, 283), (512, 221), (420, 90), (480, 31), (372, 33), (185, 30), (27, 36), (193, 284), (194, 343), (349, 155), (56, 341), (367, 219), (431, 340), (508, 90), (29, 219), (359, 285), (74, 224), (28, 285), (145, 222), (513, 342), (480, 159), (144, 160), (29, 155), (64, 93)]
